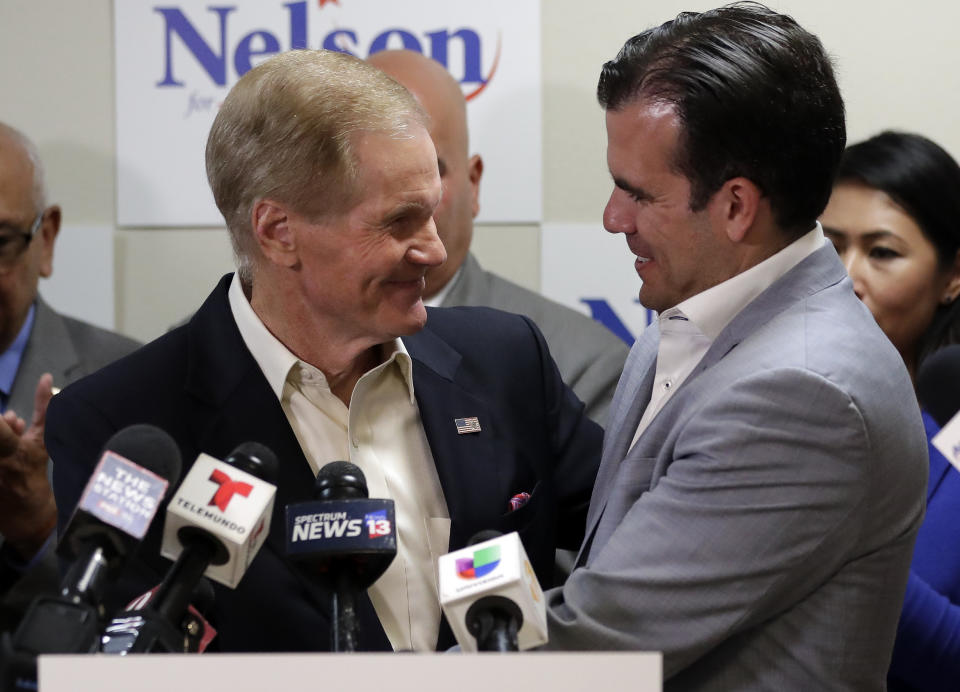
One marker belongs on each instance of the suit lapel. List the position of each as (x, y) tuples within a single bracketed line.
[(814, 273), (241, 405), (472, 498), (49, 349), (629, 402)]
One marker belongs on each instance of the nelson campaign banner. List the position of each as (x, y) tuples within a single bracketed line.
[(175, 62)]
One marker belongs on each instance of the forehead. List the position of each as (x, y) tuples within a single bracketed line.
[(397, 168), (16, 181), (641, 135), (857, 208)]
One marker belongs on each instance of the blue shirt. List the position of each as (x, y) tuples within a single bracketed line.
[(10, 359)]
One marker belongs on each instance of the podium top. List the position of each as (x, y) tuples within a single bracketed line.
[(383, 672)]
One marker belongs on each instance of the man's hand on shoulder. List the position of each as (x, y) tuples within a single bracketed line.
[(28, 511)]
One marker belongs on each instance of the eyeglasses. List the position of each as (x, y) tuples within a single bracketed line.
[(13, 241)]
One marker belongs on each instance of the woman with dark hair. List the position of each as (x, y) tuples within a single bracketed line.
[(894, 218)]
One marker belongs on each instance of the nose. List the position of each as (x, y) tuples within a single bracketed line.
[(618, 214), (853, 262), (427, 248)]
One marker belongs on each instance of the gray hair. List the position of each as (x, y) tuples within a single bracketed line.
[(285, 131)]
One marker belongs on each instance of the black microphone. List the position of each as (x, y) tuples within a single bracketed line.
[(344, 541), (142, 629), (938, 384), (234, 498), (493, 620), (109, 522)]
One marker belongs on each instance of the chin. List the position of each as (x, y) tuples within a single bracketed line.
[(411, 323)]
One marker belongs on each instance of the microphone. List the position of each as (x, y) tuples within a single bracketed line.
[(215, 524), (491, 596), (938, 384), (111, 518), (141, 629), (343, 540)]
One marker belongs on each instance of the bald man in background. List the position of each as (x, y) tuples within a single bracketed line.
[(590, 357), (39, 350)]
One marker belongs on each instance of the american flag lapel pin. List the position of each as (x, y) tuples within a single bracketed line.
[(467, 425)]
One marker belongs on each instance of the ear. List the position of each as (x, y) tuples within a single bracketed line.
[(271, 228), (736, 206), (475, 172), (952, 288), (47, 236)]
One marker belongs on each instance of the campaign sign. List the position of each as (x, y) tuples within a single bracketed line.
[(123, 495), (339, 526), (176, 61), (592, 271)]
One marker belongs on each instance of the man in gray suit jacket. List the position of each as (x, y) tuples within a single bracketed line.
[(39, 349), (763, 470), (590, 357)]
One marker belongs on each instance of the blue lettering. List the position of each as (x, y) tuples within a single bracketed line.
[(298, 24), (330, 42), (241, 59), (439, 43), (213, 64), (381, 42)]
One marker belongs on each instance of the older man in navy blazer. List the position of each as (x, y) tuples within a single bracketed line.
[(326, 175)]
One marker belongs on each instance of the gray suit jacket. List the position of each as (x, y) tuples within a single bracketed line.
[(68, 349), (759, 533), (590, 357)]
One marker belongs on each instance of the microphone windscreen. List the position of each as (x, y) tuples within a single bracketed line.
[(482, 536), (149, 447), (938, 384), (256, 459), (340, 480)]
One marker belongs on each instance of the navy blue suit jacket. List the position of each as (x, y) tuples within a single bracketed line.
[(201, 384)]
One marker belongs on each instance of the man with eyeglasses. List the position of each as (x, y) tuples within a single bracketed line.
[(39, 350)]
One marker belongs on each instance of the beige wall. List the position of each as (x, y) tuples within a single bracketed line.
[(898, 67)]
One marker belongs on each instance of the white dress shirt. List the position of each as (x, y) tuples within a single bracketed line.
[(381, 432), (688, 329)]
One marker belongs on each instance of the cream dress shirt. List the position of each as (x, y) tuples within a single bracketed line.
[(381, 432)]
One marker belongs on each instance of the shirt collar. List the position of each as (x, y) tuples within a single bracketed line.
[(10, 359), (276, 360), (713, 309)]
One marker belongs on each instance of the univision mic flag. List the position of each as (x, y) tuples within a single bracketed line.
[(498, 567)]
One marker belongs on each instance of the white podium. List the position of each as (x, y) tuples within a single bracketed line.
[(486, 672)]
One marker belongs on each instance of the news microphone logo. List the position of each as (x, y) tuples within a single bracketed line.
[(378, 524), (123, 494), (494, 577), (480, 564), (228, 488)]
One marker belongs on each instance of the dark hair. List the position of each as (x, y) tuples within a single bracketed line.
[(756, 96), (924, 181)]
